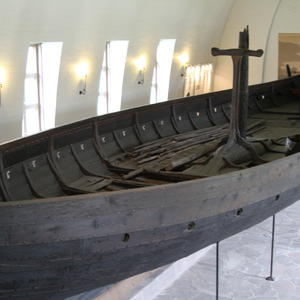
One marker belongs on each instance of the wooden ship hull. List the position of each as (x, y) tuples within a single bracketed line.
[(91, 203)]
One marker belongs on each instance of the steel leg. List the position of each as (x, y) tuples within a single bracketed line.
[(271, 278), (217, 271)]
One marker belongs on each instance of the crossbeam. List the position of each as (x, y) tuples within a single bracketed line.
[(236, 52)]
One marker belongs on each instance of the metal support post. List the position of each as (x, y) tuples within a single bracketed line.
[(217, 271), (271, 278)]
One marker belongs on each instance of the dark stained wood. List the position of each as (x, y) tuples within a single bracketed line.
[(87, 234), (244, 90), (158, 198), (236, 52)]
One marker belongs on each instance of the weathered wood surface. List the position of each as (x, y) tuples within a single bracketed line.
[(87, 234), (56, 246), (244, 91), (236, 52)]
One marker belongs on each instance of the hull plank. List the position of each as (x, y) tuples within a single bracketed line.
[(91, 261)]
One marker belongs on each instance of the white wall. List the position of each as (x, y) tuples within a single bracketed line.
[(258, 14), (84, 27), (266, 19), (287, 20)]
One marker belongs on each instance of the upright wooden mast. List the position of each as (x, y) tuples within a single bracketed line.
[(244, 94), (237, 148)]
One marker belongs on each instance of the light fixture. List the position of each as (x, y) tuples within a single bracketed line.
[(2, 76), (184, 58), (82, 71), (141, 64)]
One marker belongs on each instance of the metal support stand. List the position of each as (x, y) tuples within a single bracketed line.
[(217, 271), (271, 278)]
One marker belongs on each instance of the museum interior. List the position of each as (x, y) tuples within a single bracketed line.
[(66, 61)]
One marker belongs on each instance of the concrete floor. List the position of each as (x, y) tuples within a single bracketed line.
[(244, 263)]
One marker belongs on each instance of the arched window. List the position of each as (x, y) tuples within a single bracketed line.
[(111, 77), (40, 87), (198, 79), (162, 70)]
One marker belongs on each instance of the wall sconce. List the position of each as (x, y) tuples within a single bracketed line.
[(184, 58), (2, 77), (141, 64), (82, 71)]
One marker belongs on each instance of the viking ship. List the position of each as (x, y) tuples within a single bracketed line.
[(94, 202)]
